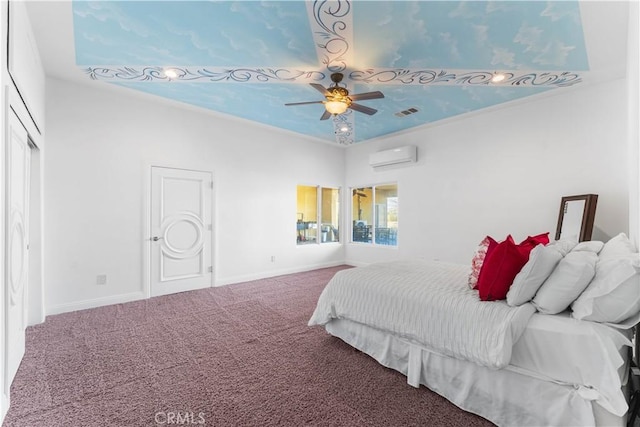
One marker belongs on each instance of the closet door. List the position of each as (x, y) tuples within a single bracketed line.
[(17, 244)]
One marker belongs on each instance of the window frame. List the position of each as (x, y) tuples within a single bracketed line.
[(318, 218), (373, 242)]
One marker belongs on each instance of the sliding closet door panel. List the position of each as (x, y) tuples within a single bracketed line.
[(17, 245), (181, 203)]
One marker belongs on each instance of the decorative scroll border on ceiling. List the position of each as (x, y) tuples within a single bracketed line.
[(369, 76), (204, 74), (464, 77), (332, 28), (346, 119)]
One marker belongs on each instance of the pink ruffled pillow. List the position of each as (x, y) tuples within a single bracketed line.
[(478, 260)]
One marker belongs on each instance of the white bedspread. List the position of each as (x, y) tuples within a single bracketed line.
[(429, 303), (589, 356)]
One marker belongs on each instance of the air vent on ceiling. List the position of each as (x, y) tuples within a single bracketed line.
[(406, 112)]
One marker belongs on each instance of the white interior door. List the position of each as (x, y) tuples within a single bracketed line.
[(181, 202), (17, 245)]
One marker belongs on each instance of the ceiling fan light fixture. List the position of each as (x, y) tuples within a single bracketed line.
[(337, 99), (336, 107)]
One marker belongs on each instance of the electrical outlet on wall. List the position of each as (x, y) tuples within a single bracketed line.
[(273, 258), (101, 279)]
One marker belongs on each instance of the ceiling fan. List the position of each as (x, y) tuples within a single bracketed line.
[(338, 99), (359, 192)]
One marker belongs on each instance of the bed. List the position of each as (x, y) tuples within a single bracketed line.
[(511, 365)]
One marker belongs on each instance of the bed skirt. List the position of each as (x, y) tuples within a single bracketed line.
[(504, 397)]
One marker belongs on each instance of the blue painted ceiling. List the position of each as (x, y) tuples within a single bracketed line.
[(249, 58)]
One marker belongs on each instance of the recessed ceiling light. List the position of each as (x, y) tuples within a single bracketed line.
[(172, 74), (498, 77), (344, 128)]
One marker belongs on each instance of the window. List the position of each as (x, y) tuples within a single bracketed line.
[(330, 215), (375, 215), (309, 216)]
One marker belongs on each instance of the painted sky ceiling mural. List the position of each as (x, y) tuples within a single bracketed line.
[(249, 58)]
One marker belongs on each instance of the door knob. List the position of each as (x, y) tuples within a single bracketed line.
[(156, 238)]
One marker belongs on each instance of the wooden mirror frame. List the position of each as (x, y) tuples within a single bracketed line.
[(588, 215)]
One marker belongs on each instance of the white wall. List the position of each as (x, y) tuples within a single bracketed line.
[(633, 71), (497, 172), (504, 171), (4, 397), (99, 148)]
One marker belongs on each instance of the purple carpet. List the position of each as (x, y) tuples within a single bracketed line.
[(239, 355)]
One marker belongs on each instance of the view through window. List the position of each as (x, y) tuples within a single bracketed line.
[(375, 214), (318, 215)]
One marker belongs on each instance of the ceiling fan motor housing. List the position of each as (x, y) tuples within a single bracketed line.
[(336, 77)]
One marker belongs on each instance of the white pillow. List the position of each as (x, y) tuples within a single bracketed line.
[(618, 245), (614, 294), (563, 246), (567, 281), (592, 246), (542, 261)]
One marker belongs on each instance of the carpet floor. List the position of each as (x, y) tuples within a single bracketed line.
[(238, 355)]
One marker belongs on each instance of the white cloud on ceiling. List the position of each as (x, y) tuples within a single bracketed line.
[(481, 33), (530, 37), (495, 6), (473, 93), (97, 38), (462, 11), (390, 39), (548, 53), (451, 45), (106, 11), (504, 56), (555, 12), (554, 53)]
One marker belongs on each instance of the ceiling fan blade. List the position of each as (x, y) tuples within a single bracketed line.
[(363, 109), (319, 88), (304, 103), (325, 115), (367, 95)]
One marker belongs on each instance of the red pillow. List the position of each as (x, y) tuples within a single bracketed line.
[(500, 267), (534, 241)]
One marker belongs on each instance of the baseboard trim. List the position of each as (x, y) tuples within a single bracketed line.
[(96, 302), (4, 404), (134, 296), (274, 273)]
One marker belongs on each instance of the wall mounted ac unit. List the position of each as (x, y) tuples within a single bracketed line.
[(406, 154)]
